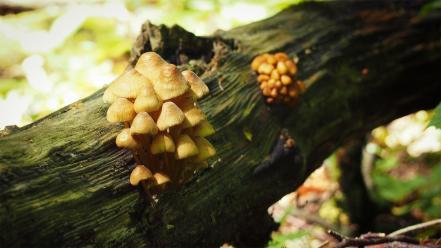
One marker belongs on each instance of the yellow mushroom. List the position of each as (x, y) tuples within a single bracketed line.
[(149, 65), (162, 143), (197, 86), (286, 80), (121, 110), (129, 84), (147, 100), (108, 96), (143, 123), (171, 115), (125, 140), (205, 148), (185, 147), (265, 68), (170, 83), (161, 179), (140, 173), (203, 129), (282, 68), (193, 116)]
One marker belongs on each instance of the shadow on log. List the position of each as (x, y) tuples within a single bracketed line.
[(63, 182)]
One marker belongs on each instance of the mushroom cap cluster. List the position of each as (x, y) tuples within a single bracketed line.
[(164, 126), (277, 78)]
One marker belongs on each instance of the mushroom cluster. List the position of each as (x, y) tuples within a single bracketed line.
[(163, 125), (277, 78)]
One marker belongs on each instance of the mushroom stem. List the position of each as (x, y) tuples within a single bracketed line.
[(167, 167), (149, 196), (136, 152)]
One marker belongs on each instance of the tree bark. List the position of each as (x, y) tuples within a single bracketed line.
[(63, 182)]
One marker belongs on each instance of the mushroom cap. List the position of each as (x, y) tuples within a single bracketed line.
[(143, 124), (171, 115), (121, 110), (149, 65), (161, 178), (203, 129), (206, 149), (108, 96), (170, 83), (162, 143), (147, 100), (193, 116), (197, 86), (129, 84), (185, 147), (125, 140), (140, 173)]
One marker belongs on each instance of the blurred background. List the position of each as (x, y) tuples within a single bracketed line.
[(55, 52)]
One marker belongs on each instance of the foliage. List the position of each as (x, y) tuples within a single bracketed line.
[(436, 118), (430, 6), (280, 240), (409, 184), (59, 54)]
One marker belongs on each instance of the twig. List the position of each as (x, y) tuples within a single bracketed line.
[(361, 242), (336, 235), (323, 244), (417, 227), (369, 239)]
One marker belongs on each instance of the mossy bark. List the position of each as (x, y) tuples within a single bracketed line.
[(63, 181)]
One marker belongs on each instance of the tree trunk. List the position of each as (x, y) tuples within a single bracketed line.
[(64, 182)]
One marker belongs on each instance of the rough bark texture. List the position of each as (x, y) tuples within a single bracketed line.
[(63, 181)]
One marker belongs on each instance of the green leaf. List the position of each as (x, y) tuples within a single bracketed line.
[(394, 190), (430, 6), (279, 240), (436, 118)]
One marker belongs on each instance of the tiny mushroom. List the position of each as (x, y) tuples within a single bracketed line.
[(108, 96), (203, 129), (140, 173), (193, 116), (125, 140), (197, 86), (147, 100), (150, 64), (162, 143), (161, 179), (171, 115), (121, 110), (143, 124), (205, 148), (170, 83), (129, 84), (185, 147)]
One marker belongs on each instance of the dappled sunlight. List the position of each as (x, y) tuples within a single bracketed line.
[(67, 50)]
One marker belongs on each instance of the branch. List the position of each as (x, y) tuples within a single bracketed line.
[(433, 224), (369, 239), (395, 239)]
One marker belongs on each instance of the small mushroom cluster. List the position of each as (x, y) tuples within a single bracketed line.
[(277, 78), (163, 125)]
